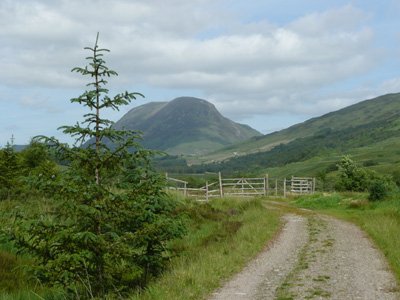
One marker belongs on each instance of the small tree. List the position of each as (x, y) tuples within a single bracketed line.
[(40, 170), (9, 171), (351, 176), (101, 239), (378, 190), (359, 179)]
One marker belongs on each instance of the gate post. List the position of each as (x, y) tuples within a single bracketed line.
[(221, 192), (206, 190), (313, 186), (266, 185), (284, 188)]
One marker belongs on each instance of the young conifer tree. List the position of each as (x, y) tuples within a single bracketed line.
[(100, 239), (9, 171), (96, 128)]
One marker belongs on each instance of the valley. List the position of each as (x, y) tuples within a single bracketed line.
[(156, 181)]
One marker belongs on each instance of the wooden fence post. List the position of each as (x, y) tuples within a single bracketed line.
[(221, 192), (313, 186), (185, 189), (266, 185), (284, 188), (276, 187), (206, 190), (291, 184)]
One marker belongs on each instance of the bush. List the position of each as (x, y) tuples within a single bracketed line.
[(370, 163), (351, 176), (396, 177), (358, 179), (380, 188), (10, 170)]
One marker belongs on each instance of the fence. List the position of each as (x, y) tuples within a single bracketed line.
[(302, 185), (244, 187)]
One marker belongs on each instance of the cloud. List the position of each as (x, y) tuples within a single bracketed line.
[(38, 102), (340, 19), (188, 45), (390, 86)]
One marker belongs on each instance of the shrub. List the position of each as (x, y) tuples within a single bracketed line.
[(370, 163), (396, 177), (10, 171), (357, 179), (380, 188), (351, 176)]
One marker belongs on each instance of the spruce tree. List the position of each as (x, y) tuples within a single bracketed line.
[(9, 171), (100, 238)]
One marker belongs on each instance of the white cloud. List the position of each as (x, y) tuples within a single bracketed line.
[(189, 45), (335, 20), (390, 86), (38, 102)]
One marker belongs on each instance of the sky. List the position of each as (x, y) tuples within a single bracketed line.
[(266, 63)]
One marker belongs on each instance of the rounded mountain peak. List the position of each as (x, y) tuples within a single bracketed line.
[(191, 101), (186, 125)]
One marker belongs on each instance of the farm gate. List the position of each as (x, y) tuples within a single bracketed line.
[(244, 187)]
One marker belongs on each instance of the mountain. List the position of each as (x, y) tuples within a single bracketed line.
[(19, 148), (185, 125), (370, 124)]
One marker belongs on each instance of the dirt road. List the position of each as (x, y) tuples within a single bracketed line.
[(315, 257)]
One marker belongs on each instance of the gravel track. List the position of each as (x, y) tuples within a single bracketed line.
[(315, 257)]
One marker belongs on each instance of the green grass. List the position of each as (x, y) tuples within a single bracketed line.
[(380, 220), (226, 235), (15, 282), (11, 275), (222, 236)]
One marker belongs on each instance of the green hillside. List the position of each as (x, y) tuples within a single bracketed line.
[(185, 125), (365, 122), (383, 156), (369, 131)]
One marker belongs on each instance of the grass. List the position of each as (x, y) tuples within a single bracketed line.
[(222, 236), (15, 283), (11, 275), (226, 235), (380, 220)]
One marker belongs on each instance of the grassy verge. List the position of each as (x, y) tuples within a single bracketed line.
[(381, 220), (224, 235)]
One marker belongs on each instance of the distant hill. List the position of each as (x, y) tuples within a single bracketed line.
[(19, 148), (382, 112), (370, 124), (185, 125)]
